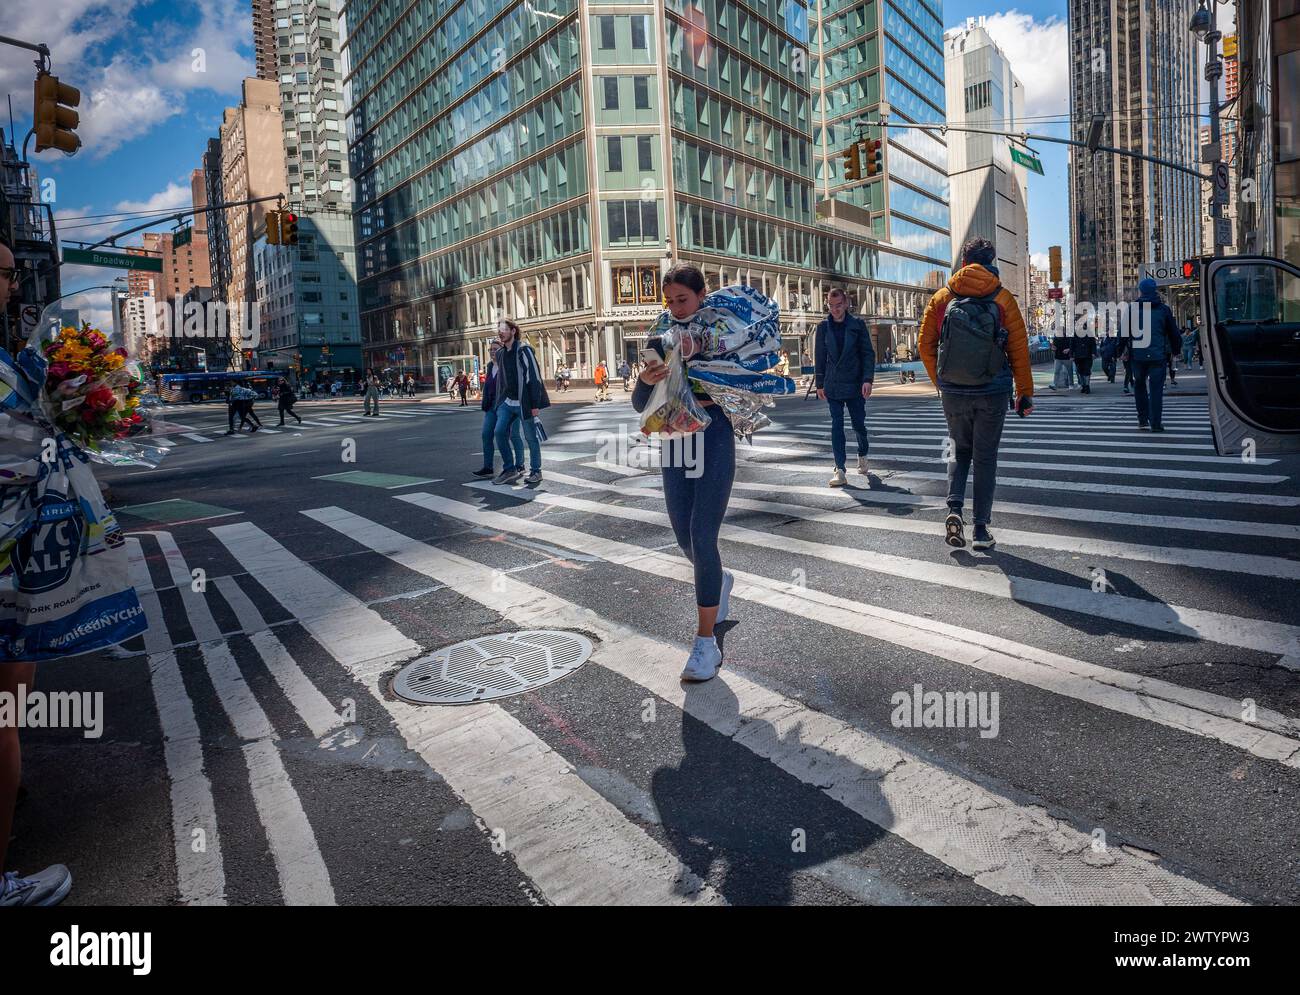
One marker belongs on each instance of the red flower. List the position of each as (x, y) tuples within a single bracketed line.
[(101, 399)]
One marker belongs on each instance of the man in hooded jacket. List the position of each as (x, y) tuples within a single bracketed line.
[(1156, 339)]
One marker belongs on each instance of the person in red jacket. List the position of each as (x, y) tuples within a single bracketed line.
[(975, 397)]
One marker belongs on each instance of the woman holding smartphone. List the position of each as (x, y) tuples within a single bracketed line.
[(696, 494)]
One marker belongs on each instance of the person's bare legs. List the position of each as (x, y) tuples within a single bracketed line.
[(708, 617), (12, 675)]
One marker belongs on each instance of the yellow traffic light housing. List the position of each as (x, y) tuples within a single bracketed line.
[(875, 157), (53, 118), (852, 158), (273, 228), (288, 228)]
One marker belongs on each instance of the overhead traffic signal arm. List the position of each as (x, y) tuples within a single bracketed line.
[(53, 118)]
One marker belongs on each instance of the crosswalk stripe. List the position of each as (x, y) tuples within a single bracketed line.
[(918, 632), (1083, 487), (576, 846), (1229, 630), (1007, 848), (306, 699), (304, 879), (1109, 454), (1205, 559), (200, 874), (196, 437), (1109, 471), (1048, 437)]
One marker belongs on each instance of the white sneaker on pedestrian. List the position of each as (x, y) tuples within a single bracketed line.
[(704, 661), (724, 602), (862, 465), (838, 479)]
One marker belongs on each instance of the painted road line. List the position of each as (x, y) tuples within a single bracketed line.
[(306, 698), (576, 847), (1054, 672), (200, 875), (855, 496), (937, 438), (1005, 847), (1026, 483), (1106, 471), (196, 437), (1217, 627), (304, 879)]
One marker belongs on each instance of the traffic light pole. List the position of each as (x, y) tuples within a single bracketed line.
[(178, 217), (1025, 137)]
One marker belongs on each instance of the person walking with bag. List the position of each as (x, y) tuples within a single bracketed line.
[(696, 495), (845, 365), (523, 397), (1082, 351), (491, 405), (287, 399), (976, 351), (1152, 349)]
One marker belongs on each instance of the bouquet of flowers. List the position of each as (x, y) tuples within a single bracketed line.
[(92, 390)]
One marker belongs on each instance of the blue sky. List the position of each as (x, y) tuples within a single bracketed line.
[(147, 113)]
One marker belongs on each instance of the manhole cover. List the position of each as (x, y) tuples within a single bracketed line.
[(492, 667)]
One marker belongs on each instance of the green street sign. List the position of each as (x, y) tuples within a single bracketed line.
[(113, 260), (1030, 162), (183, 237)]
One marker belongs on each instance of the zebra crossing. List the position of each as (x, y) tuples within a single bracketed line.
[(1144, 657), (178, 425)]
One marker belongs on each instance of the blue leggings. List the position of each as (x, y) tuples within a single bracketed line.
[(698, 473)]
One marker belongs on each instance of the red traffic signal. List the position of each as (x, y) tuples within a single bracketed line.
[(288, 228), (1191, 269)]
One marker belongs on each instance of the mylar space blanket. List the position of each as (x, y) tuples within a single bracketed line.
[(737, 342)]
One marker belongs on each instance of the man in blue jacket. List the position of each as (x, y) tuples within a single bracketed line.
[(1156, 339), (845, 367)]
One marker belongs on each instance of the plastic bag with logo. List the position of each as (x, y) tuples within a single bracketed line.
[(673, 410), (64, 585)]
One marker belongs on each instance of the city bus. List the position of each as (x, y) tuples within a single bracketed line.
[(181, 388)]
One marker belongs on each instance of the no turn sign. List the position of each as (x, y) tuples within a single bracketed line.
[(31, 315), (1221, 176)]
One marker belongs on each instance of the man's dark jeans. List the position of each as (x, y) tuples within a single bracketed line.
[(975, 427), (1149, 405), (858, 415)]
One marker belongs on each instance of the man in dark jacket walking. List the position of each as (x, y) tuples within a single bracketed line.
[(1153, 341), (1082, 351), (845, 367), (1109, 349), (1061, 377), (286, 400), (523, 396)]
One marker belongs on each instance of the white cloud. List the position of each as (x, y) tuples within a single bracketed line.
[(208, 58), (1039, 260), (1039, 51), (174, 195)]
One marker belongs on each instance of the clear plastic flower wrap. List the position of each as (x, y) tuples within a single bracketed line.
[(673, 410)]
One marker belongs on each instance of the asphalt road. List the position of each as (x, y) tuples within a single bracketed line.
[(1133, 633)]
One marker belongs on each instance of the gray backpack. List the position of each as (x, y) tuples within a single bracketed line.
[(972, 342)]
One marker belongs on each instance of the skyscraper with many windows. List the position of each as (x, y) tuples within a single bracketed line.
[(545, 161), (1135, 61)]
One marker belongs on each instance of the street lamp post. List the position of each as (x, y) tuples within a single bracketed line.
[(1203, 26)]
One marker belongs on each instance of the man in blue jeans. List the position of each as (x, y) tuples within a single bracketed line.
[(1154, 342), (845, 367), (523, 396)]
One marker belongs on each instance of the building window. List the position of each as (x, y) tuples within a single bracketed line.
[(611, 93), (644, 155), (641, 92), (606, 32), (978, 96), (638, 32), (614, 154)]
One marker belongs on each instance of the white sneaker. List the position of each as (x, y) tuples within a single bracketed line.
[(724, 602), (862, 465), (838, 479), (704, 661)]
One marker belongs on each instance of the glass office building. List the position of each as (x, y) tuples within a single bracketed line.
[(546, 160)]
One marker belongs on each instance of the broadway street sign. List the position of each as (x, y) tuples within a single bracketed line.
[(113, 260)]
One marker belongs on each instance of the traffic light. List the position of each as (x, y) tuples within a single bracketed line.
[(875, 157), (1054, 263), (273, 228), (1191, 269), (288, 228), (52, 115), (852, 158)]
